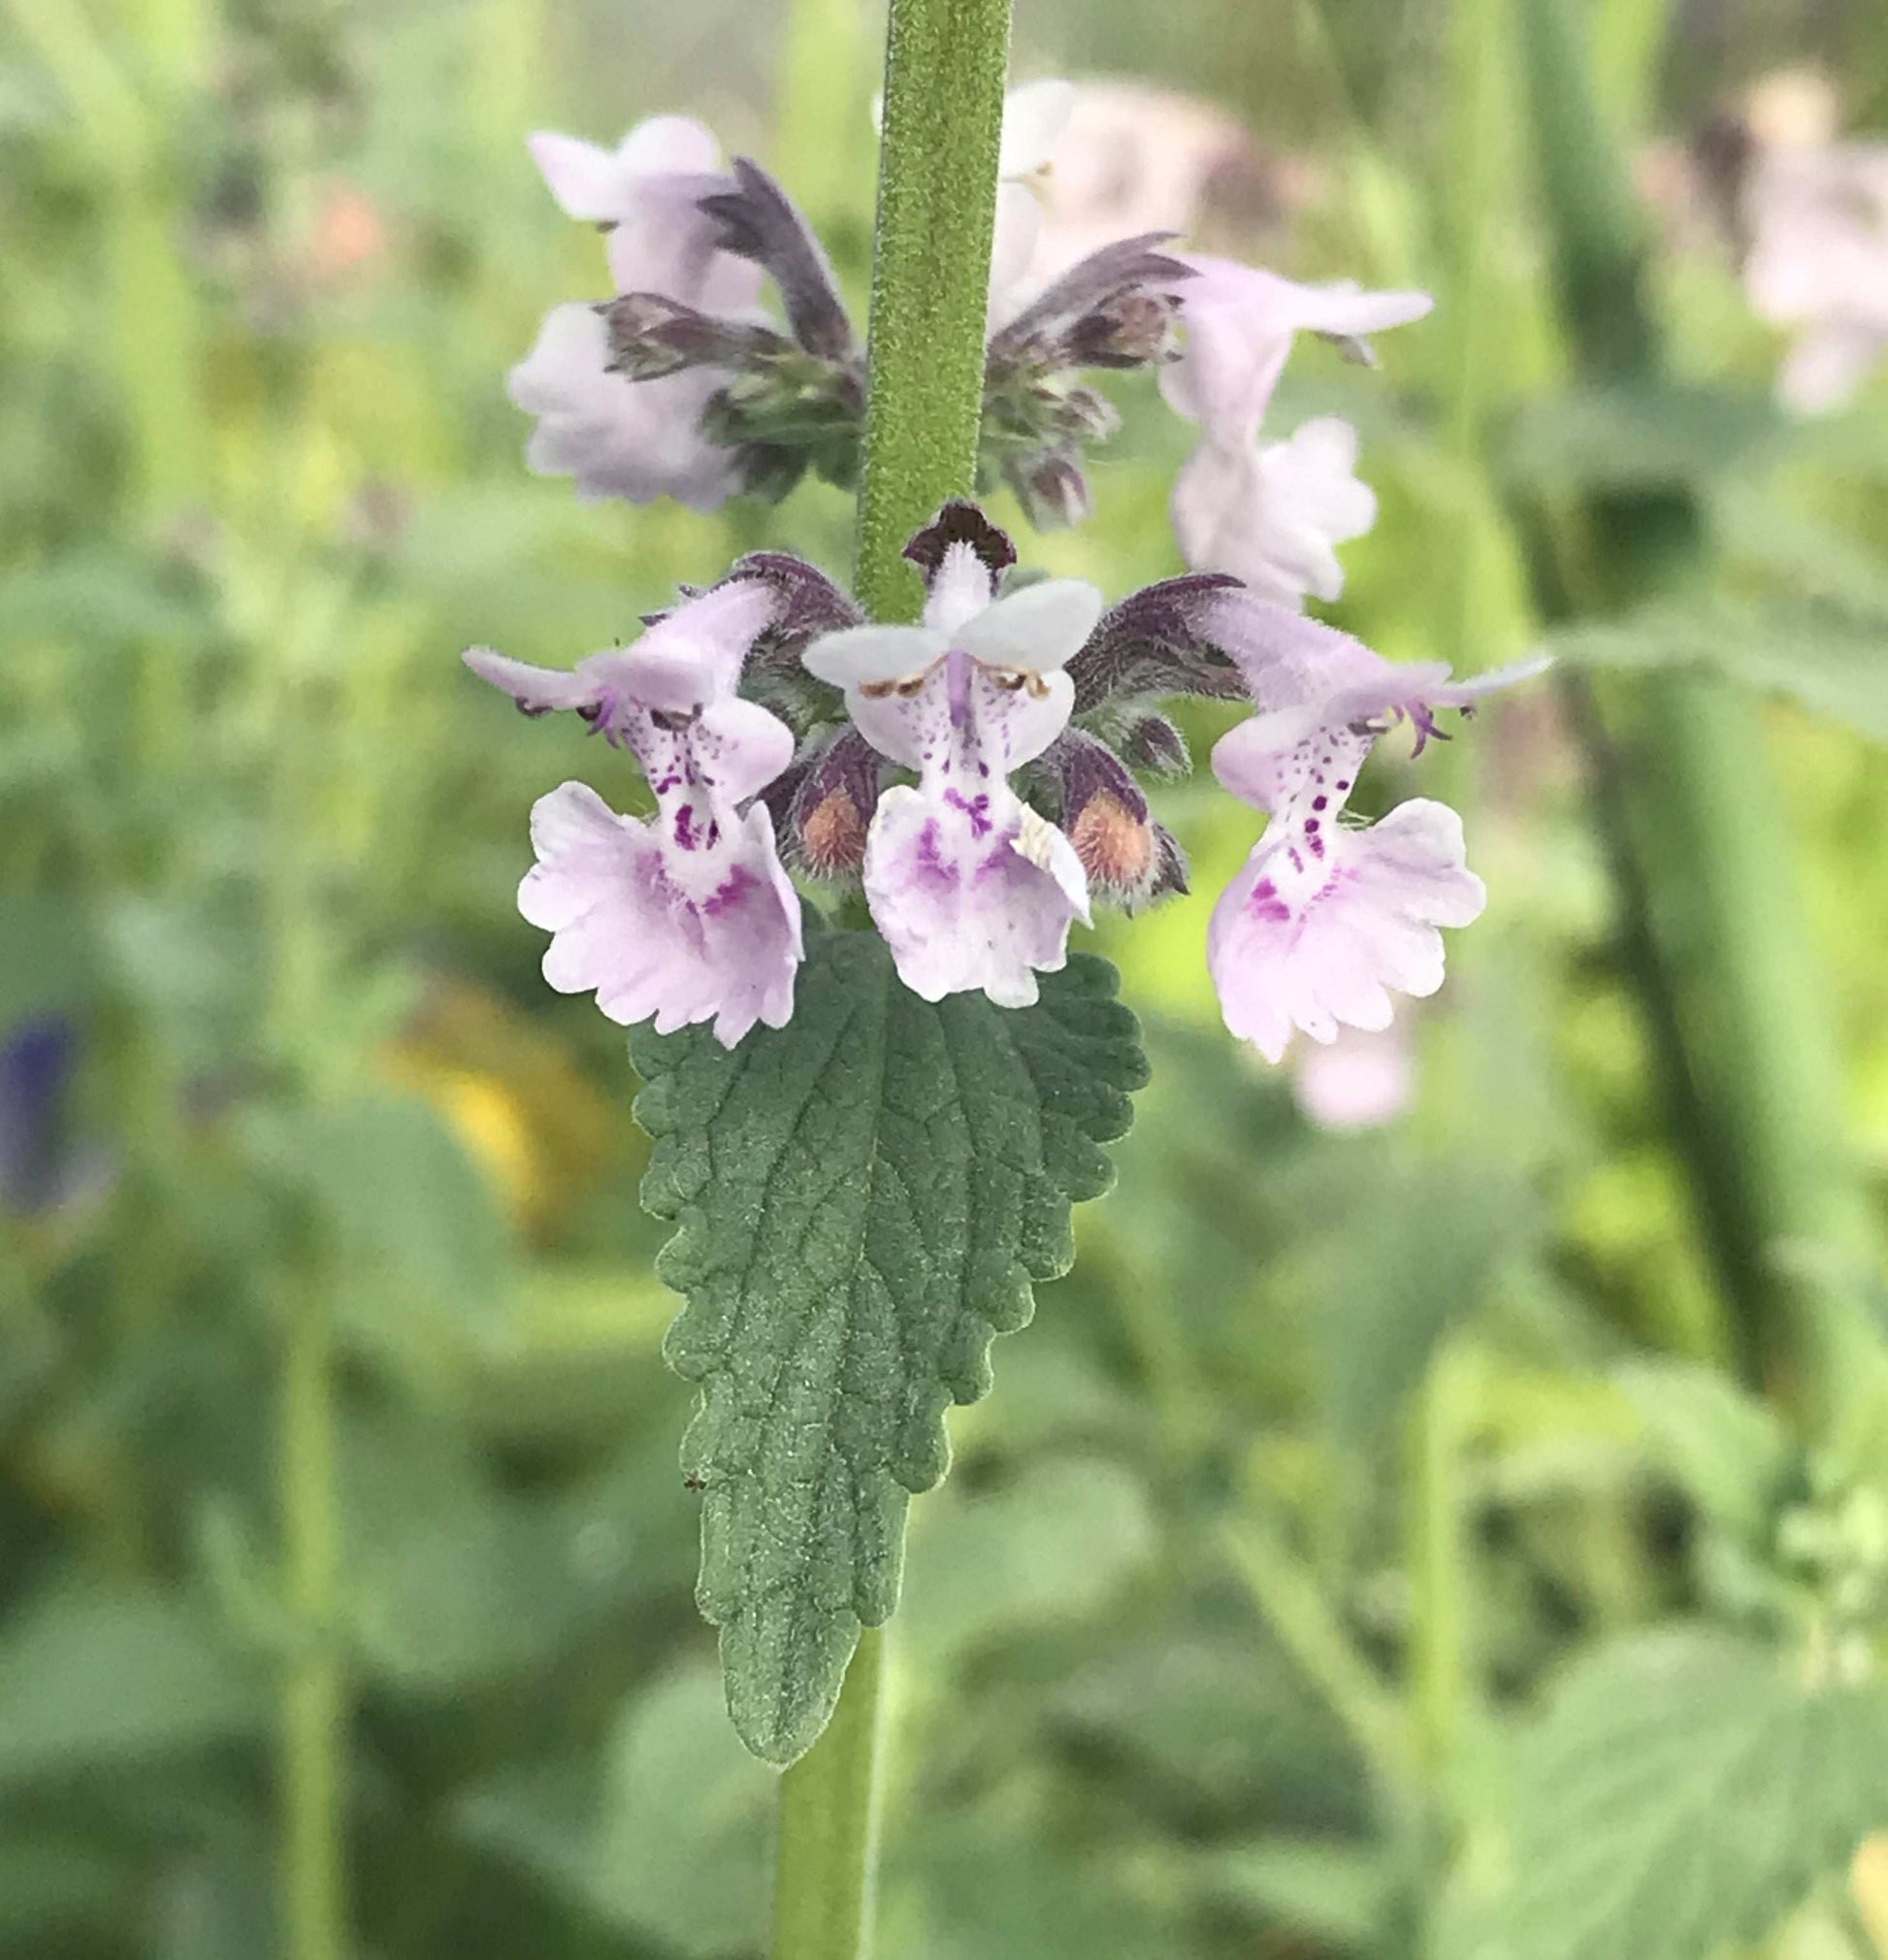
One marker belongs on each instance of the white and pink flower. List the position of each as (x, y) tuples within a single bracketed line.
[(639, 441), (1272, 514), (970, 887), (1327, 921), (686, 916)]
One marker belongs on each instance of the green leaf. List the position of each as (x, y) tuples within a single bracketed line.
[(1683, 1791), (669, 1842), (1723, 1449), (862, 1198), (106, 1677), (398, 1192), (1830, 658)]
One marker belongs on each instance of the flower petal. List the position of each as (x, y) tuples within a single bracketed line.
[(963, 905), (535, 689), (858, 656), (1034, 116), (1315, 944), (1035, 630), (634, 439), (625, 929), (587, 180)]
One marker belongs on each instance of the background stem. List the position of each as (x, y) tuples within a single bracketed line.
[(1735, 1006), (314, 1693), (945, 66), (946, 61)]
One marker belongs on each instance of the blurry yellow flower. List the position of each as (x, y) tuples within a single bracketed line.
[(514, 1097)]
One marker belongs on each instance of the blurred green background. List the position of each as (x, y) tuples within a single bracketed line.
[(331, 1398)]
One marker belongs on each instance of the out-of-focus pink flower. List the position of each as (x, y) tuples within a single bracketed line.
[(1326, 922), (634, 439), (970, 887), (349, 234), (638, 440), (1359, 1081), (1130, 159), (1275, 515), (1818, 263), (686, 916)]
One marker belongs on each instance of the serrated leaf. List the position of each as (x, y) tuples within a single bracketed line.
[(1832, 658), (1683, 1791), (862, 1198)]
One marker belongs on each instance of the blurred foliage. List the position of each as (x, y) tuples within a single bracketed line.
[(1241, 1628)]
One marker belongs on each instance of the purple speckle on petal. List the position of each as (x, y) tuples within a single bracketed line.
[(730, 893), (1266, 902)]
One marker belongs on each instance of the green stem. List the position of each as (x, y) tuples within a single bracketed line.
[(1288, 1595), (1734, 1002), (945, 66), (314, 1708), (826, 1868)]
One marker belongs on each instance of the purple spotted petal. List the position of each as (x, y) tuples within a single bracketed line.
[(1315, 942), (658, 932), (972, 892)]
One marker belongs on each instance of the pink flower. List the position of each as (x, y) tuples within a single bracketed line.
[(686, 916), (1818, 263), (634, 439), (620, 437), (1272, 515), (1326, 922), (1360, 1080), (969, 885)]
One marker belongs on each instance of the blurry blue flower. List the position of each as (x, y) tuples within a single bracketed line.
[(36, 1067)]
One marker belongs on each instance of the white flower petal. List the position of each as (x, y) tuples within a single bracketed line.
[(859, 655), (1036, 629), (1034, 118)]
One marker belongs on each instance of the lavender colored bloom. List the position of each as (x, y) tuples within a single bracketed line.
[(970, 887), (1360, 1080), (1273, 514), (638, 440), (686, 916), (37, 1058), (1326, 922), (1818, 265)]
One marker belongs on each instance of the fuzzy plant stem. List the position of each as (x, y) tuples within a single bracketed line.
[(946, 62), (1735, 1006), (945, 66)]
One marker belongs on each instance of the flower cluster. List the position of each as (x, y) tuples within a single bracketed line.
[(972, 775), (682, 386), (976, 778)]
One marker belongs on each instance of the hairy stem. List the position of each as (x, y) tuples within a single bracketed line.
[(945, 66)]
